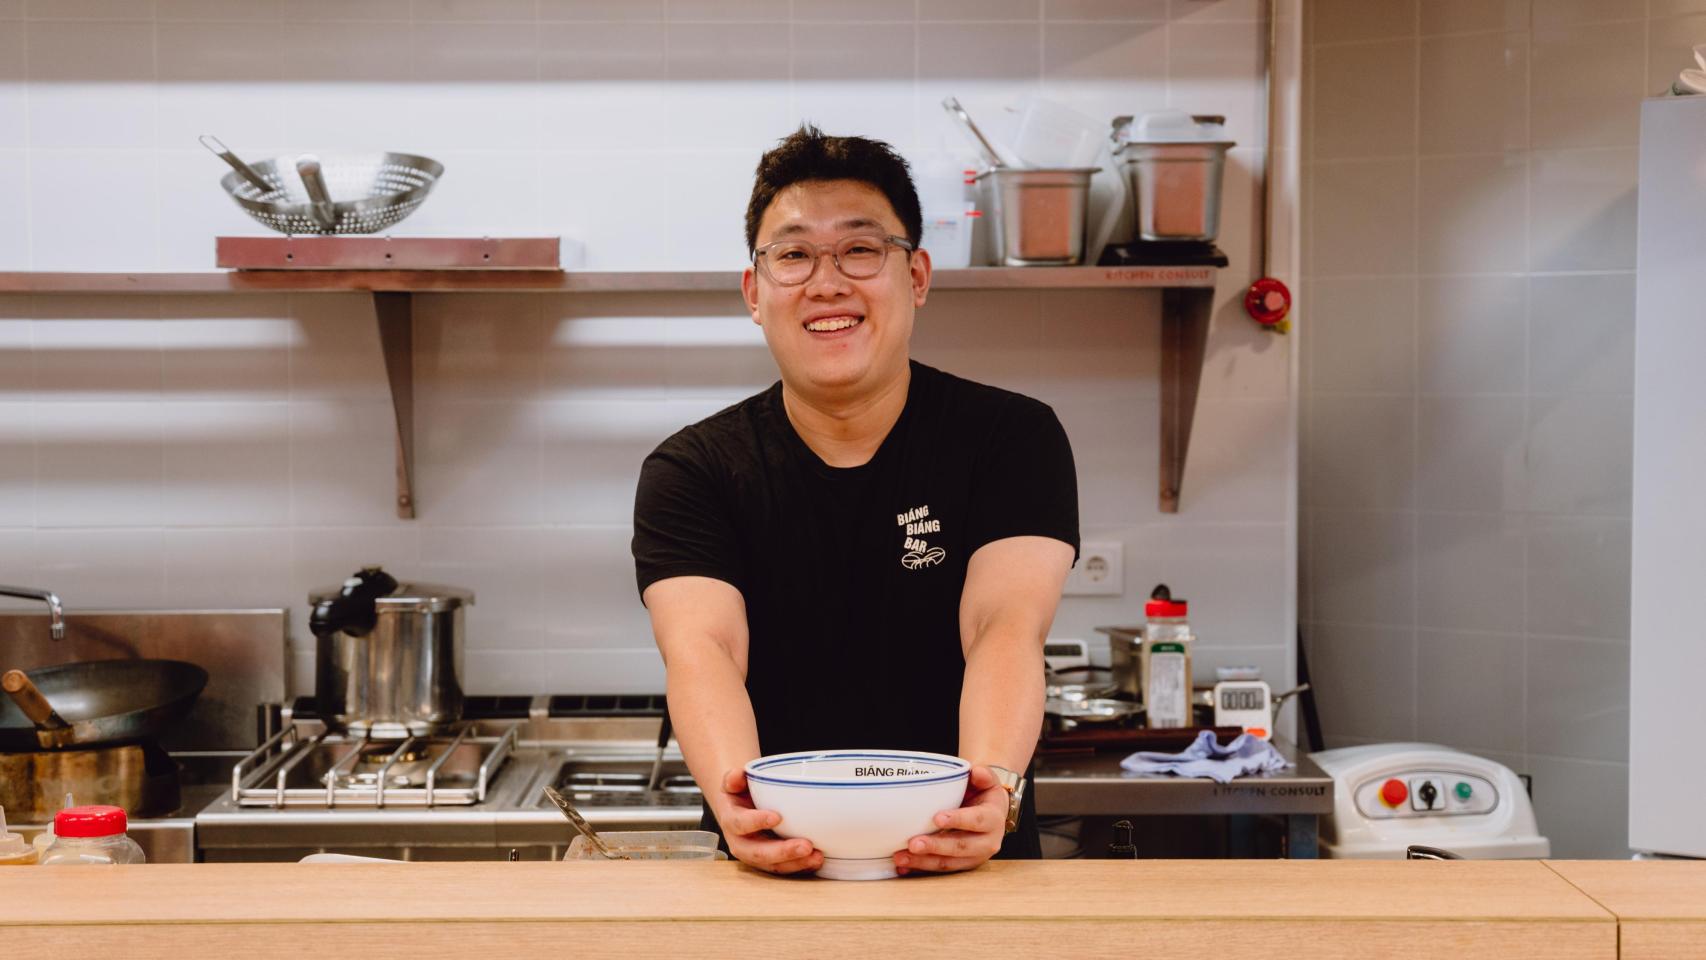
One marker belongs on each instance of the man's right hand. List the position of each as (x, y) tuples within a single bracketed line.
[(747, 831)]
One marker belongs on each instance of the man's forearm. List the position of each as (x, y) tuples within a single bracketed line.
[(1001, 701), (713, 717)]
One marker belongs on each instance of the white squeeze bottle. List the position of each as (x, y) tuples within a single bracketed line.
[(14, 852), (44, 839)]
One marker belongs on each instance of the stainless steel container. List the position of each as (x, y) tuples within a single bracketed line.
[(389, 655), (1177, 186), (1040, 213)]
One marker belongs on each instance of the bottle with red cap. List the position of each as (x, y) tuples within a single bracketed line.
[(91, 835), (1167, 661)]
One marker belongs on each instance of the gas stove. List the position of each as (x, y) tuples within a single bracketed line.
[(475, 792)]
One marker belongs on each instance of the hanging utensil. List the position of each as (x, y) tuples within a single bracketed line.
[(585, 828), (245, 171), (991, 156), (319, 198)]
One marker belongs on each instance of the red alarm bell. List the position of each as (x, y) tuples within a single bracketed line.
[(1268, 302)]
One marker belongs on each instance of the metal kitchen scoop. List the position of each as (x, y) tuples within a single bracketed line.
[(585, 828)]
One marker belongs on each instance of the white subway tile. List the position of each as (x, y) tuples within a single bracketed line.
[(1117, 459), (1578, 698), (1471, 453), (1467, 16), (222, 348), (1226, 571), (501, 566), (607, 671), (196, 207), (343, 462), (602, 9), (996, 338), (723, 11), (615, 203), (1471, 335), (1582, 205), (477, 346), (1364, 217), (1099, 69), (95, 348), (1362, 334), (1105, 10), (229, 569), (1555, 13), (718, 101), (89, 9), (707, 210), (1582, 807), (17, 465), (1581, 336), (977, 9), (91, 85), (592, 455), (1579, 452), (102, 569), (1361, 452), (857, 79), (1587, 83), (1365, 565), (1470, 690), (602, 85), (72, 191), (1469, 571), (1472, 214), (1366, 680), (477, 462), (1578, 576), (1341, 21), (606, 345), (1474, 93), (1365, 100), (1216, 68), (211, 10), (1657, 9), (495, 672), (870, 11), (589, 578), (311, 10), (335, 353), (18, 562), (226, 464), (474, 10), (14, 197), (1240, 462), (14, 89), (1217, 9)]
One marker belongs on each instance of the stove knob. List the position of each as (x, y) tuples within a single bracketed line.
[(1393, 793)]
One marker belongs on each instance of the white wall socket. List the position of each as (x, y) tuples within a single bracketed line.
[(1099, 571)]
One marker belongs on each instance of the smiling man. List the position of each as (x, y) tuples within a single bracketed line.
[(869, 553)]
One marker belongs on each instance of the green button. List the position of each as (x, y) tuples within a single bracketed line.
[(1463, 791)]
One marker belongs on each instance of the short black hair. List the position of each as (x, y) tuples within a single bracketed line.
[(809, 154)]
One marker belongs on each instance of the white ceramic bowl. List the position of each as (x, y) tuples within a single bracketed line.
[(857, 806)]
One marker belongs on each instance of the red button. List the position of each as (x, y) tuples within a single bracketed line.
[(1393, 793)]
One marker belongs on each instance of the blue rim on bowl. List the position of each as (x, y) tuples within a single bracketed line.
[(953, 768)]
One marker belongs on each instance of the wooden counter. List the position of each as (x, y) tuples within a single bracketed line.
[(1660, 905), (1148, 909)]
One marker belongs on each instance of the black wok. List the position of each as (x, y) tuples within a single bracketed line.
[(103, 701)]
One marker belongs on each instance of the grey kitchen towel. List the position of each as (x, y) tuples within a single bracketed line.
[(1207, 758)]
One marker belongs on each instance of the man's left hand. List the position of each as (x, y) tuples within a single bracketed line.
[(969, 835)]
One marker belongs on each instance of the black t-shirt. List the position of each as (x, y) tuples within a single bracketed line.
[(852, 575)]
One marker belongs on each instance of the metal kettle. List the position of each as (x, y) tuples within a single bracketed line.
[(388, 655)]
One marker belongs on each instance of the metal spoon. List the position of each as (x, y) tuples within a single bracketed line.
[(585, 828), (247, 172)]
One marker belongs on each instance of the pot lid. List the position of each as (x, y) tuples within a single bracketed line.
[(373, 585)]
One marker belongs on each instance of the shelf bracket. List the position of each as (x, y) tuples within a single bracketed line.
[(395, 313), (1185, 313)]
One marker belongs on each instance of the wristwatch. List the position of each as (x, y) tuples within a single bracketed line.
[(1014, 784)]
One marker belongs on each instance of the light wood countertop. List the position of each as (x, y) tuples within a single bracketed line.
[(1660, 905), (1314, 909)]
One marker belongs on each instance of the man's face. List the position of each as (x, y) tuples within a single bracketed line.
[(806, 325)]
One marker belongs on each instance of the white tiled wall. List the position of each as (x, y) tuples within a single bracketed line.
[(228, 451), (1470, 192)]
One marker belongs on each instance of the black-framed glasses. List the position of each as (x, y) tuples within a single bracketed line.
[(789, 263)]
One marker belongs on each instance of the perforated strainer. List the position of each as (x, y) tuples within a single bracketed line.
[(386, 187)]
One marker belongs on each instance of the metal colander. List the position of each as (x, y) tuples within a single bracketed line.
[(389, 186)]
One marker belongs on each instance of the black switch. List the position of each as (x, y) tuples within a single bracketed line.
[(1429, 793)]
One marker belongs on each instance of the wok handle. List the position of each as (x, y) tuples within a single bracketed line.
[(17, 684)]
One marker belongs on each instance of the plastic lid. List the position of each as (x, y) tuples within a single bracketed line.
[(12, 845), (1171, 126), (1157, 609), (93, 821)]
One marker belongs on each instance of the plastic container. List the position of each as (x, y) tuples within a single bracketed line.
[(650, 845), (14, 852), (1054, 135), (1174, 164), (1166, 667), (89, 836)]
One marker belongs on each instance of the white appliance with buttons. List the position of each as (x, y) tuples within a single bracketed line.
[(1389, 796)]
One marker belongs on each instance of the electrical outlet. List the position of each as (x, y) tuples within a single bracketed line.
[(1099, 571)]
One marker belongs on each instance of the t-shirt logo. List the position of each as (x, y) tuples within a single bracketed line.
[(918, 551)]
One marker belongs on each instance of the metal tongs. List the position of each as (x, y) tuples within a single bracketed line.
[(585, 828)]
